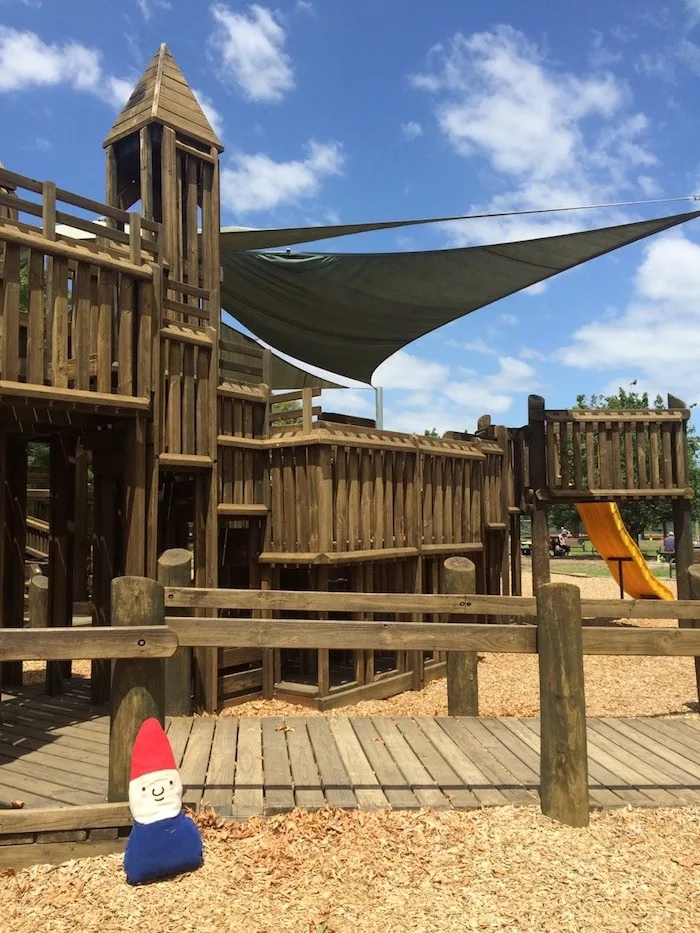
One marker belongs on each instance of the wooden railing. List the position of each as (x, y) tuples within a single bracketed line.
[(77, 314), (557, 637), (615, 454), (239, 362)]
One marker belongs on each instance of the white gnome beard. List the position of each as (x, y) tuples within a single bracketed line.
[(155, 796)]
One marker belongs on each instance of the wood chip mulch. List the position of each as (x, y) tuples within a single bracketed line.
[(339, 871)]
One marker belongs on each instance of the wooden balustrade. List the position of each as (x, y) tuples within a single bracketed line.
[(77, 314), (615, 454)]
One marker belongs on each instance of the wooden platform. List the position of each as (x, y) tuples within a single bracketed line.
[(53, 752)]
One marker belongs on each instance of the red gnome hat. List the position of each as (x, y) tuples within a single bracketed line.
[(152, 751)]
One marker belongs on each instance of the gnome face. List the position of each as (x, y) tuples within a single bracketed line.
[(156, 796)]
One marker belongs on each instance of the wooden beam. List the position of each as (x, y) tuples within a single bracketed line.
[(61, 540), (54, 644)]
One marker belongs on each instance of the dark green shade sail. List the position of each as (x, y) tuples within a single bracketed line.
[(348, 312)]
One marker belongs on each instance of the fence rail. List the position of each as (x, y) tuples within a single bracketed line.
[(559, 639)]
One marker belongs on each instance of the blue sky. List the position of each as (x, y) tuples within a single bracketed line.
[(344, 112)]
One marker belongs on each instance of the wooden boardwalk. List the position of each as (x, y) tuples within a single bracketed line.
[(53, 752)]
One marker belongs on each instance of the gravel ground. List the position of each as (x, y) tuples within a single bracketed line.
[(391, 872), (509, 684)]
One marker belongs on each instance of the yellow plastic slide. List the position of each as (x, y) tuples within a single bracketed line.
[(605, 528)]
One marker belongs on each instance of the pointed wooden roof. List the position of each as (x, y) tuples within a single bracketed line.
[(163, 96)]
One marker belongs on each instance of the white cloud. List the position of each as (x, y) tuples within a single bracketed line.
[(148, 7), (403, 370), (693, 8), (476, 346), (210, 111), (657, 335), (258, 183), (27, 61), (305, 6), (555, 138), (349, 401), (252, 52), (509, 319), (411, 130)]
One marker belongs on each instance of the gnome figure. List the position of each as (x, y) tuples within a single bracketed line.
[(164, 841)]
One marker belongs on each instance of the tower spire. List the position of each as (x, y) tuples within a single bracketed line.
[(163, 96)]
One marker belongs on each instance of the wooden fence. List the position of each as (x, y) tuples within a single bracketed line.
[(77, 314), (615, 454), (558, 638)]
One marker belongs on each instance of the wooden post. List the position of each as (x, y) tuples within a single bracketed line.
[(459, 577), (13, 463), (538, 481), (62, 515), (694, 586), (175, 569), (138, 685), (38, 601), (563, 753)]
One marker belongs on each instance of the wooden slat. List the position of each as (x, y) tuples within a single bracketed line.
[(11, 313), (392, 781), (412, 767), (35, 335), (442, 770), (279, 793), (179, 730), (153, 641), (308, 790), (368, 792), (248, 787), (337, 787), (218, 790)]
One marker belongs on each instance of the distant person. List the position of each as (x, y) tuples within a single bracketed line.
[(669, 543)]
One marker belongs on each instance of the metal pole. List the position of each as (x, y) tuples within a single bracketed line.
[(379, 400)]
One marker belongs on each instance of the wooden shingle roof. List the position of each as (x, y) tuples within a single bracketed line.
[(163, 96)]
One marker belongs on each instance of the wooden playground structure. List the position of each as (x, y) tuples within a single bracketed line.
[(287, 539)]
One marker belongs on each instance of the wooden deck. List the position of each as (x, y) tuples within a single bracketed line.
[(53, 752)]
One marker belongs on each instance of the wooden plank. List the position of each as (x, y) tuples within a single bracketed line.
[(96, 816), (522, 775), (80, 334), (632, 769), (392, 781), (35, 333), (194, 766), (448, 777), (599, 794), (419, 779), (494, 771), (178, 734), (11, 312), (467, 770), (337, 786), (643, 476), (218, 786), (368, 791), (22, 856), (654, 455), (675, 737), (58, 758), (308, 789), (658, 766), (248, 787), (391, 636), (152, 641), (279, 789), (598, 772)]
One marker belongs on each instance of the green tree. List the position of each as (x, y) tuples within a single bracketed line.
[(642, 514), (431, 433)]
